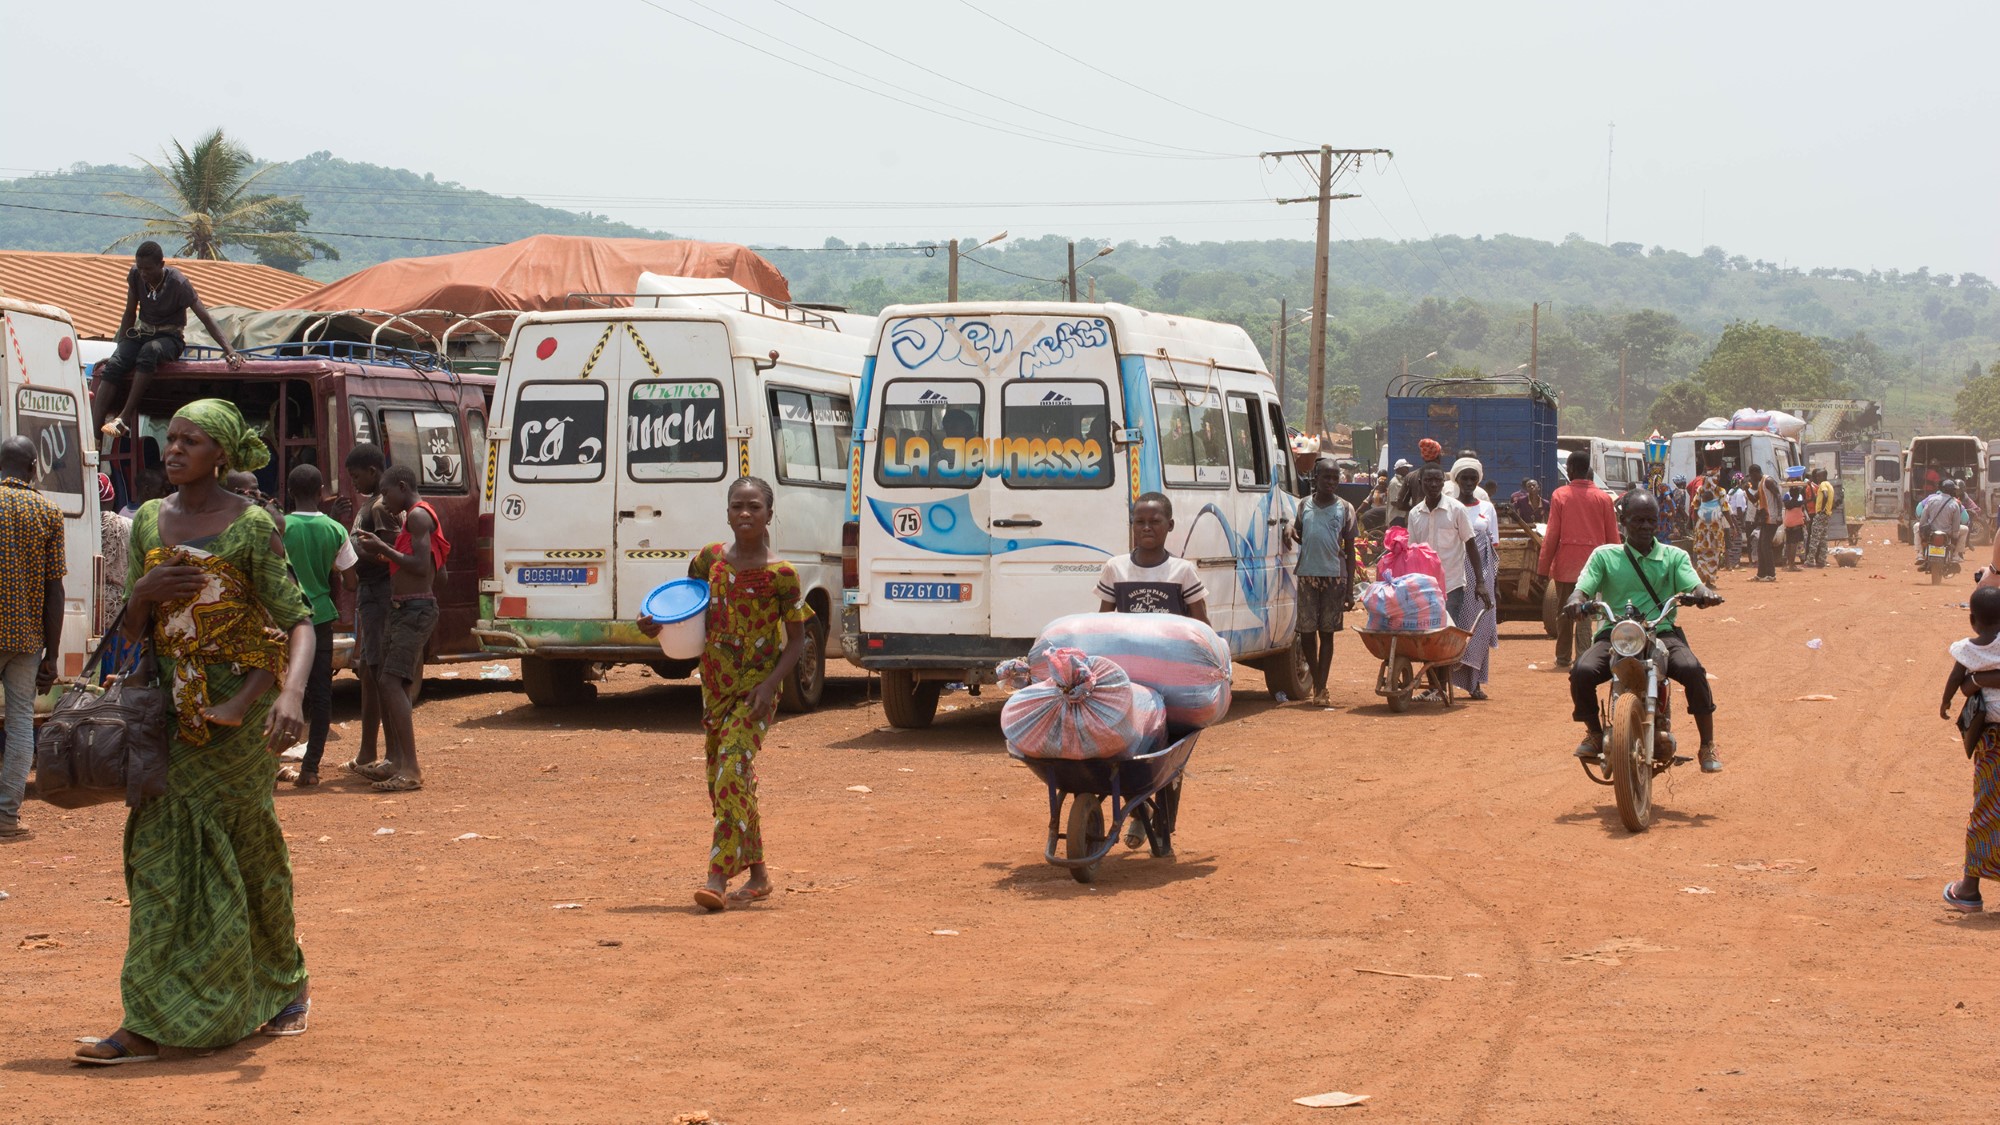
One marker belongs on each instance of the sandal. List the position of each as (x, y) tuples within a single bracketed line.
[(299, 1008), (745, 894), (710, 900), (377, 770), (288, 773), (400, 783), (1972, 905), (305, 780), (114, 429), (125, 1054)]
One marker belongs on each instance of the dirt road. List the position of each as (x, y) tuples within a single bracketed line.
[(1775, 949)]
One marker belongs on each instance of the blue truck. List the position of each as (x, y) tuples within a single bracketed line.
[(1509, 423)]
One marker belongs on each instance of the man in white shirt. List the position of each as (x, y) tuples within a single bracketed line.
[(1444, 523)]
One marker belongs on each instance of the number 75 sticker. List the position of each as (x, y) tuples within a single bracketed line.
[(908, 523)]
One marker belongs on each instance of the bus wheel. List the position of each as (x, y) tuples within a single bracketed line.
[(1287, 673), (807, 683), (555, 683), (909, 703)]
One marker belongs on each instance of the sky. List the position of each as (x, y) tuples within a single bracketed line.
[(1811, 134)]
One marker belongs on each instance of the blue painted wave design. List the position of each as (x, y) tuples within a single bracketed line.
[(1262, 589), (949, 529)]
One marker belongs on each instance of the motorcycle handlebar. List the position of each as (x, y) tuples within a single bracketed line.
[(1599, 608)]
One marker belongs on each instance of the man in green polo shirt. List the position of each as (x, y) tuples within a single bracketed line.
[(1613, 574)]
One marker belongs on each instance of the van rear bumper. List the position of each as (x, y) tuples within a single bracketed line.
[(618, 642), (964, 657)]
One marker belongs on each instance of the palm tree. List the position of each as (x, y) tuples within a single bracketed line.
[(209, 205)]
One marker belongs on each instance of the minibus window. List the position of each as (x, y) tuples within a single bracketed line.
[(792, 428), (674, 430), (48, 418), (1253, 458), (559, 431), (364, 426), (427, 441), (833, 432), (475, 430), (1274, 440), (1054, 433), (1193, 448), (932, 434)]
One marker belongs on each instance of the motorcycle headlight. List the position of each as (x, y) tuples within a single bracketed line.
[(1628, 638)]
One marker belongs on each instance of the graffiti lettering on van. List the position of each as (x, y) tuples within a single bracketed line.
[(559, 433), (921, 341), (956, 461), (1062, 345), (691, 424)]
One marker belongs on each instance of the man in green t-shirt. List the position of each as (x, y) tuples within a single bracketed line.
[(316, 544), (1619, 573)]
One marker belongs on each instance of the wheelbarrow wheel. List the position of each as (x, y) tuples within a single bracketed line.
[(1402, 679), (1086, 833)]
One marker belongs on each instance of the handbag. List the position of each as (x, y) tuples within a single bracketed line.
[(103, 746), (1972, 721)]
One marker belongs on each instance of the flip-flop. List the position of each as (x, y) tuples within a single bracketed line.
[(401, 783), (745, 894), (710, 901), (301, 1008), (377, 770), (1962, 905), (124, 1055)]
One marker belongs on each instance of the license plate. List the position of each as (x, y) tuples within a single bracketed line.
[(928, 591), (1935, 552), (553, 576)]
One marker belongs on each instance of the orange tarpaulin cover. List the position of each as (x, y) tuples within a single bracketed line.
[(538, 272)]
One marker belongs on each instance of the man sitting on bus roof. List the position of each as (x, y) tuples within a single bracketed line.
[(158, 298)]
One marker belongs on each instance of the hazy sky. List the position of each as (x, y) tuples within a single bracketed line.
[(1830, 133)]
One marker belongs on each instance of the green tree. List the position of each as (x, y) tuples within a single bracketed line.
[(209, 204), (1758, 365), (287, 215), (1977, 410), (1341, 399), (1681, 405)]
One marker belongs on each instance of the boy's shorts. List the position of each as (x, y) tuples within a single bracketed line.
[(410, 623), (1322, 604)]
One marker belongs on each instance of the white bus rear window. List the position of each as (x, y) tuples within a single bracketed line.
[(932, 434), (674, 430), (48, 418), (558, 432), (1055, 433), (813, 432)]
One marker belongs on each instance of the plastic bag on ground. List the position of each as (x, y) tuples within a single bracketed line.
[(1086, 708), (1409, 603), (1179, 657)]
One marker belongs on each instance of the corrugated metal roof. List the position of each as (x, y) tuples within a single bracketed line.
[(91, 287)]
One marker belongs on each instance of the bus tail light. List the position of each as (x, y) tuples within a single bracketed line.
[(850, 554), (484, 543)]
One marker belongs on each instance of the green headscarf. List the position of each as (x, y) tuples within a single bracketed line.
[(219, 419)]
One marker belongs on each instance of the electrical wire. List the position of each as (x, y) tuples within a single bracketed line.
[(1115, 78), (931, 109), (837, 30), (300, 230)]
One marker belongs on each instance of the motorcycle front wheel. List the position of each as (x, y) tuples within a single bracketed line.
[(1631, 763)]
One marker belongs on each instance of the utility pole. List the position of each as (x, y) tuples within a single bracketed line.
[(1072, 272), (1325, 174), (1622, 353), (1535, 344), (1610, 136), (1284, 329), (951, 274)]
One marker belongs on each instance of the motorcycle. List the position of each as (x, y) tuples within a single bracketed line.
[(1939, 561), (1635, 710)]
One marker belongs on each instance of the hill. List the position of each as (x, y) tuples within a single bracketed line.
[(1909, 337)]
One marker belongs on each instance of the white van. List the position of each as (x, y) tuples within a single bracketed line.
[(615, 434), (1615, 465), (1730, 451), (42, 377), (998, 449)]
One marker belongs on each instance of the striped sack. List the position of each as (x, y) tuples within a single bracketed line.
[(1179, 657), (1409, 603), (1087, 708)]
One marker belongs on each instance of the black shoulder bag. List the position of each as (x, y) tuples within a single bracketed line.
[(105, 746), (1641, 572)]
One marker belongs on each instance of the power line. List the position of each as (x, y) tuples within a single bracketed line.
[(1115, 78), (1010, 273), (988, 93), (1043, 138)]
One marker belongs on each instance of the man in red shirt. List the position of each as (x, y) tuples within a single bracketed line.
[(1581, 520)]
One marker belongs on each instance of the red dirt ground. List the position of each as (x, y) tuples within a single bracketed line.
[(1774, 949)]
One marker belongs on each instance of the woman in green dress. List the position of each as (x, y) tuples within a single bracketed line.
[(212, 956)]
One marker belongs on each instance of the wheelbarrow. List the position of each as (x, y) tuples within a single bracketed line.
[(1083, 834), (1404, 655)]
